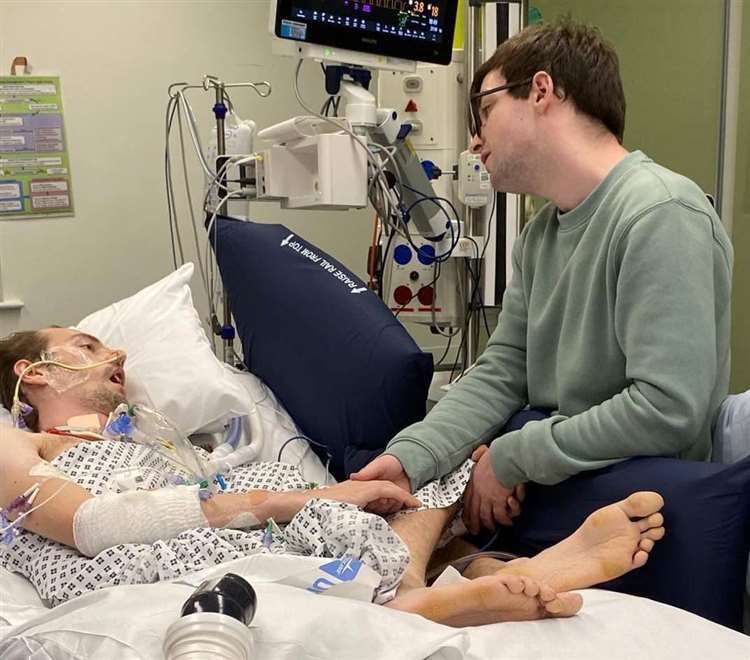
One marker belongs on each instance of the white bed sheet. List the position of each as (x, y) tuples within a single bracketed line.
[(291, 623), (277, 427)]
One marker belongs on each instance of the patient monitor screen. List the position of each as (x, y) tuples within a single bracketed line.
[(409, 29)]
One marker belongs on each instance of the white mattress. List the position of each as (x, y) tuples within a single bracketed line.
[(292, 623)]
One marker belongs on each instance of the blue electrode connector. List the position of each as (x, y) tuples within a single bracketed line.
[(431, 170)]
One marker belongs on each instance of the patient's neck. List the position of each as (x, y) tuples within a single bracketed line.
[(57, 413)]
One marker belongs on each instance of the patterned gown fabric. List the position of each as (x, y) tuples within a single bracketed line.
[(322, 528)]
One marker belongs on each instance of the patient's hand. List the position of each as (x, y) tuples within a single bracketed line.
[(369, 495), (388, 468)]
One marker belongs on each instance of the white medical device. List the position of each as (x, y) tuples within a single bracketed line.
[(365, 153), (474, 188), (239, 139)]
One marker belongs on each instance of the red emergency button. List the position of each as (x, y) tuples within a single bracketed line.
[(426, 296), (411, 106), (402, 295)]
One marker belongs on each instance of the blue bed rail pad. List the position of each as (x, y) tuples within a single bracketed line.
[(344, 367)]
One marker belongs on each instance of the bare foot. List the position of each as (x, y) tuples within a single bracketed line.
[(612, 541), (488, 599)]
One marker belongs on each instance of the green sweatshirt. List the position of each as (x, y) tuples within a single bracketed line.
[(617, 318)]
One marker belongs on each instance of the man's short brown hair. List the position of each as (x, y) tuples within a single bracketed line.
[(26, 345), (582, 65)]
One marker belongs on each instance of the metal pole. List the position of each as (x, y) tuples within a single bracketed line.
[(728, 113), (221, 150), (221, 145), (473, 56), (521, 199)]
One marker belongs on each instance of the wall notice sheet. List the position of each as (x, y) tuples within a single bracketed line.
[(34, 165)]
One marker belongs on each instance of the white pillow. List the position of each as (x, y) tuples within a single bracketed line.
[(170, 366)]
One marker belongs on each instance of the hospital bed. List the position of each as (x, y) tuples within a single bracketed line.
[(295, 623), (131, 621)]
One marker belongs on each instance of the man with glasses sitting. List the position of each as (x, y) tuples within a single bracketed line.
[(616, 322)]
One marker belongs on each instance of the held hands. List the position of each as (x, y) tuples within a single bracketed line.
[(486, 500), (369, 495), (387, 468)]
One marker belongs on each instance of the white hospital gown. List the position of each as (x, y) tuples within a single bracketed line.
[(322, 528)]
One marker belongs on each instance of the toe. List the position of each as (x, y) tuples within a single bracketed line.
[(654, 534), (655, 520), (514, 583), (647, 545), (531, 587), (564, 604), (642, 504), (546, 593), (640, 558)]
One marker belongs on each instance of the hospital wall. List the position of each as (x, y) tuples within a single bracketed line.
[(741, 226), (671, 62), (116, 60)]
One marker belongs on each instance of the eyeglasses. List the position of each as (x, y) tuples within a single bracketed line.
[(476, 119)]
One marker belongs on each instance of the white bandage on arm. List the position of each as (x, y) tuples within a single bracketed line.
[(140, 516)]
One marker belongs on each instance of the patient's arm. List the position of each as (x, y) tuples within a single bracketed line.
[(22, 466), (231, 509)]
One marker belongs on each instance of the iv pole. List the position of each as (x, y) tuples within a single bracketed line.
[(474, 55), (227, 332)]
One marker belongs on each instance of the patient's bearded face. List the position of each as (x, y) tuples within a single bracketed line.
[(100, 389)]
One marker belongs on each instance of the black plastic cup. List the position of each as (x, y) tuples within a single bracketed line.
[(230, 594)]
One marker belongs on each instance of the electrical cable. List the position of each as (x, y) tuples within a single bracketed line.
[(171, 107), (190, 203), (455, 236), (14, 523), (434, 327), (178, 104), (382, 265), (358, 139), (329, 457), (447, 349), (473, 293), (212, 256), (475, 276)]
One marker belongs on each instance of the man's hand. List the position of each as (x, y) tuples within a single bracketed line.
[(486, 500), (369, 495), (387, 468)]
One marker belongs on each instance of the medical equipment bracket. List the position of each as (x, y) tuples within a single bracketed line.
[(226, 331)]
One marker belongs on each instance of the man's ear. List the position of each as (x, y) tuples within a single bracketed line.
[(33, 376), (543, 91)]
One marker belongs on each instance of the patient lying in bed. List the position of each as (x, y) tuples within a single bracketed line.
[(94, 510)]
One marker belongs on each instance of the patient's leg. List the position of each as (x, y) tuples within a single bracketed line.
[(420, 531), (488, 599), (612, 541)]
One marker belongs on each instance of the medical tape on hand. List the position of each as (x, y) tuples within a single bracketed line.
[(142, 516), (243, 520)]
